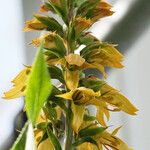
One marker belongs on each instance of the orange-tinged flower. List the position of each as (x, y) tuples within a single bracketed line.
[(102, 10), (44, 8), (82, 24), (47, 39), (19, 84), (34, 24)]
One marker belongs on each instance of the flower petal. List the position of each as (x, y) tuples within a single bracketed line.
[(45, 145), (116, 99), (75, 59), (78, 114), (67, 96), (71, 78)]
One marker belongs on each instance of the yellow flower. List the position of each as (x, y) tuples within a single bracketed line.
[(105, 55), (105, 100), (105, 140), (81, 96), (114, 98), (19, 84)]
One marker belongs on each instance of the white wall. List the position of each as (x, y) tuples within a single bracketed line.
[(134, 82), (11, 62)]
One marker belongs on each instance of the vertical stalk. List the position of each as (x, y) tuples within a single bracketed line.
[(69, 115), (69, 132)]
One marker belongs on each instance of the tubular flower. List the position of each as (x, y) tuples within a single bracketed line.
[(19, 84)]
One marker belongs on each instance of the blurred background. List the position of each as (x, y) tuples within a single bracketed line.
[(129, 27)]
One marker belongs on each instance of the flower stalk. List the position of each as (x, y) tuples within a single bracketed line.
[(61, 111)]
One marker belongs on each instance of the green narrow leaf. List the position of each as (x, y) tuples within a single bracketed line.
[(38, 88), (86, 7), (91, 132), (89, 118), (60, 10), (56, 73), (51, 23), (53, 139), (87, 39), (83, 140), (96, 85), (21, 140), (85, 51)]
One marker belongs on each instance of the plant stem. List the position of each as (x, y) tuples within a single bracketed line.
[(69, 132)]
